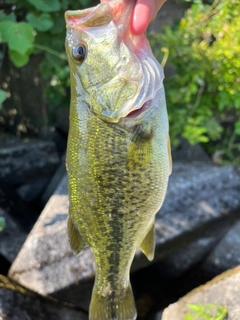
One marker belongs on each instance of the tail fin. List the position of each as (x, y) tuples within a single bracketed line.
[(113, 307)]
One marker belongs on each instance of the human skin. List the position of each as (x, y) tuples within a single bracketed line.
[(144, 12)]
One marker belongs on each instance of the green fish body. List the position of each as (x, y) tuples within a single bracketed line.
[(118, 155)]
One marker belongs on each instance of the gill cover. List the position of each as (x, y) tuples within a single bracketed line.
[(118, 73)]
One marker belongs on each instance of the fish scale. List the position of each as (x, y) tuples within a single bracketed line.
[(118, 160), (116, 180)]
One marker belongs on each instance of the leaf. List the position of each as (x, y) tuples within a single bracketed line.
[(19, 60), (45, 5), (19, 36), (188, 316), (209, 306), (41, 22), (59, 24), (65, 4), (221, 313), (237, 128), (7, 17), (2, 223), (197, 308), (3, 96)]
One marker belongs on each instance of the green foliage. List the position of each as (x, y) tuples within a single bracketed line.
[(206, 312), (42, 22), (198, 1), (19, 37), (38, 27), (203, 94), (3, 97), (2, 223)]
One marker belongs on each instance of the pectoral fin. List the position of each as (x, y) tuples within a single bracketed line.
[(148, 244), (77, 243)]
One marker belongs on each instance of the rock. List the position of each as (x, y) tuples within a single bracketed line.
[(46, 263), (224, 290), (19, 211), (4, 265), (200, 199), (183, 259), (226, 254), (173, 276), (188, 153), (54, 182), (199, 196), (25, 161), (11, 238), (62, 119), (31, 191), (56, 134), (19, 219), (22, 304)]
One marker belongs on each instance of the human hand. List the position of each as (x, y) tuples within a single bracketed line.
[(144, 12)]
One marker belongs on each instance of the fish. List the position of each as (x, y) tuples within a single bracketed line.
[(118, 153)]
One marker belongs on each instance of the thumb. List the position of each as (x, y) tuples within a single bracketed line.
[(143, 14)]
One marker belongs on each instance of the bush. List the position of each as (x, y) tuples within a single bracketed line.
[(203, 95), (37, 27)]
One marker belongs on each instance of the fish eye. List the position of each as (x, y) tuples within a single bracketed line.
[(79, 52)]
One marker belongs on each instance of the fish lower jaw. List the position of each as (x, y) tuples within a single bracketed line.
[(137, 112)]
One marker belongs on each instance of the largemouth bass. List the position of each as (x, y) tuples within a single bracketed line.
[(118, 155)]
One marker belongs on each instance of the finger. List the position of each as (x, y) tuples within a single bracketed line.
[(142, 15)]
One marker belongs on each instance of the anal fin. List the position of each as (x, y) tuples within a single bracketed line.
[(77, 243), (148, 243)]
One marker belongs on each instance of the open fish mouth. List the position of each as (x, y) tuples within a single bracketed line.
[(142, 109)]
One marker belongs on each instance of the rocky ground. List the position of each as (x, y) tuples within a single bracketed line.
[(197, 238)]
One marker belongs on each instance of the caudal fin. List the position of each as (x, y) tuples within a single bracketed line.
[(113, 307)]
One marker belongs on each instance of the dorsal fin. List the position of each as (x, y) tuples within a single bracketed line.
[(92, 17)]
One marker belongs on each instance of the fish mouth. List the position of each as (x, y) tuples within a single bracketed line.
[(137, 112)]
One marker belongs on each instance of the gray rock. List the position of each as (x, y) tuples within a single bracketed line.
[(181, 260), (54, 182), (18, 303), (11, 238), (25, 161), (226, 254), (31, 191), (46, 257), (199, 198), (224, 290), (18, 210), (56, 134), (188, 153)]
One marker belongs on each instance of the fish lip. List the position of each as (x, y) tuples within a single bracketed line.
[(137, 112)]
